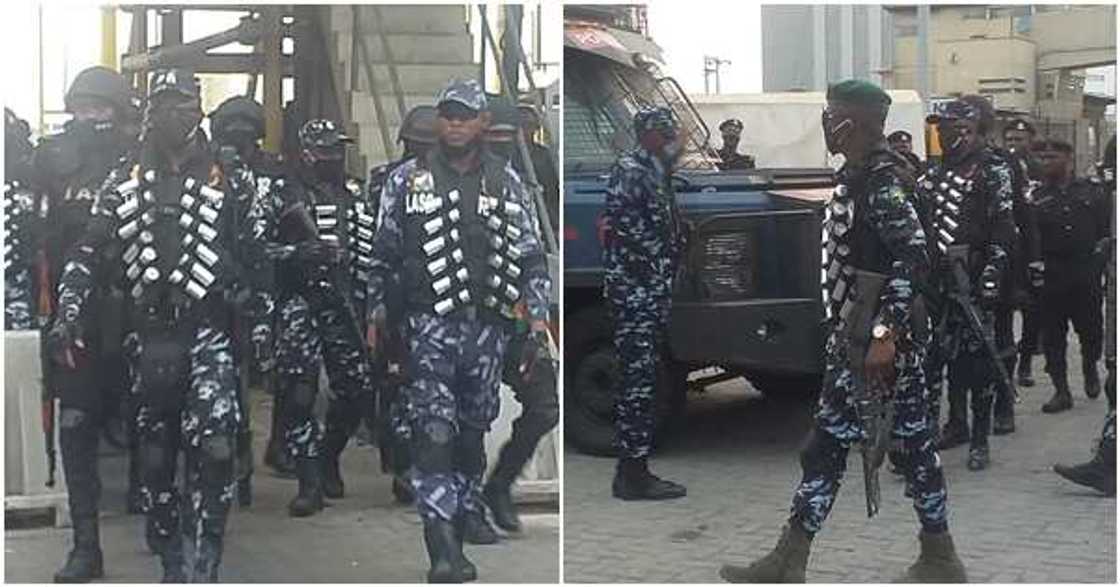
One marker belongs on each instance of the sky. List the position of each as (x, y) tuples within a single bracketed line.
[(687, 31)]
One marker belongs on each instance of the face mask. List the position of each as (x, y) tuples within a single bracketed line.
[(504, 149), (245, 142), (89, 131), (836, 134), (332, 170), (174, 129)]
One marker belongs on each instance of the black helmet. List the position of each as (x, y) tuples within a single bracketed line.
[(503, 115), (102, 83), (15, 128), (238, 109), (419, 125), (321, 133)]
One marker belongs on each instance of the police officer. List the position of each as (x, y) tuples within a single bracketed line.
[(1100, 472), (319, 230), (534, 390), (461, 234), (640, 254), (544, 162), (970, 193), (902, 142), (162, 232), (729, 155), (1017, 138), (870, 225), (237, 125), (417, 135), (22, 226), (1073, 216), (69, 168)]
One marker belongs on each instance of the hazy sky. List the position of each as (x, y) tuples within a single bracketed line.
[(687, 31)]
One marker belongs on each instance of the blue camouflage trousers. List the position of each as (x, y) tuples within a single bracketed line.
[(453, 371), (18, 302), (837, 427), (641, 322), (310, 336), (205, 430)]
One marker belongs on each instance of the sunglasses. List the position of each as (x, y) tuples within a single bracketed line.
[(457, 112)]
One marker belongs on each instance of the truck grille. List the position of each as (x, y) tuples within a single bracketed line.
[(728, 269)]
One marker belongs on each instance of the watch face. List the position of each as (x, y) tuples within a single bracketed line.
[(879, 331)]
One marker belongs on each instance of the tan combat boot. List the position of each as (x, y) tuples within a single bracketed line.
[(937, 563), (785, 564)]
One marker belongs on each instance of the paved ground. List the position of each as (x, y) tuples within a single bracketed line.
[(362, 538), (1015, 522)]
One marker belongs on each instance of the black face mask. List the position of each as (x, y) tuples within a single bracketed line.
[(329, 170), (245, 142), (90, 132), (503, 149), (174, 128)]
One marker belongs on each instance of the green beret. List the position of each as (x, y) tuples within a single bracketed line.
[(859, 92)]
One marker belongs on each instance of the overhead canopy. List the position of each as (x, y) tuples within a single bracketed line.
[(614, 44)]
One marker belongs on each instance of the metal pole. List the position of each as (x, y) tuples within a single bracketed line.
[(923, 51), (390, 62), (820, 54), (382, 123), (522, 147), (109, 37), (273, 81)]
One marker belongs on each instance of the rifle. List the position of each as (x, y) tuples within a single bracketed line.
[(874, 408), (960, 296), (46, 366)]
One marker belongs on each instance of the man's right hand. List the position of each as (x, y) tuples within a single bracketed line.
[(64, 340)]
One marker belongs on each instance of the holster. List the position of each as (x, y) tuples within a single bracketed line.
[(164, 368)]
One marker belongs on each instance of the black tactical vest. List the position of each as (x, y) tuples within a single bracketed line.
[(345, 220), (172, 235), (460, 252)]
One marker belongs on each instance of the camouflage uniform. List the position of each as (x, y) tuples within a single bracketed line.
[(316, 317), (968, 203), (168, 237), (471, 239), (640, 256), (21, 226), (872, 209)]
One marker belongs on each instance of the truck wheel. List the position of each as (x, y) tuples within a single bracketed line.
[(591, 374), (786, 387)]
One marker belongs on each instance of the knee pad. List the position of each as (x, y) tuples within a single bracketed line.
[(822, 453), (432, 446)]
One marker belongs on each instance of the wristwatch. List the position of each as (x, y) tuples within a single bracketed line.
[(880, 332)]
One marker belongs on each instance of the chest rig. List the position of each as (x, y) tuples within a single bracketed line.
[(348, 223), (19, 217), (482, 270), (169, 237), (837, 271), (948, 193)]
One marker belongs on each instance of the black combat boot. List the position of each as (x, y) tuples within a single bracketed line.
[(938, 561), (497, 495), (1092, 378), (955, 432), (84, 562), (402, 491), (245, 491), (335, 442), (445, 552), (1099, 473), (978, 454), (275, 456), (1062, 400), (309, 500), (633, 481), (477, 529), (784, 564), (1026, 377)]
